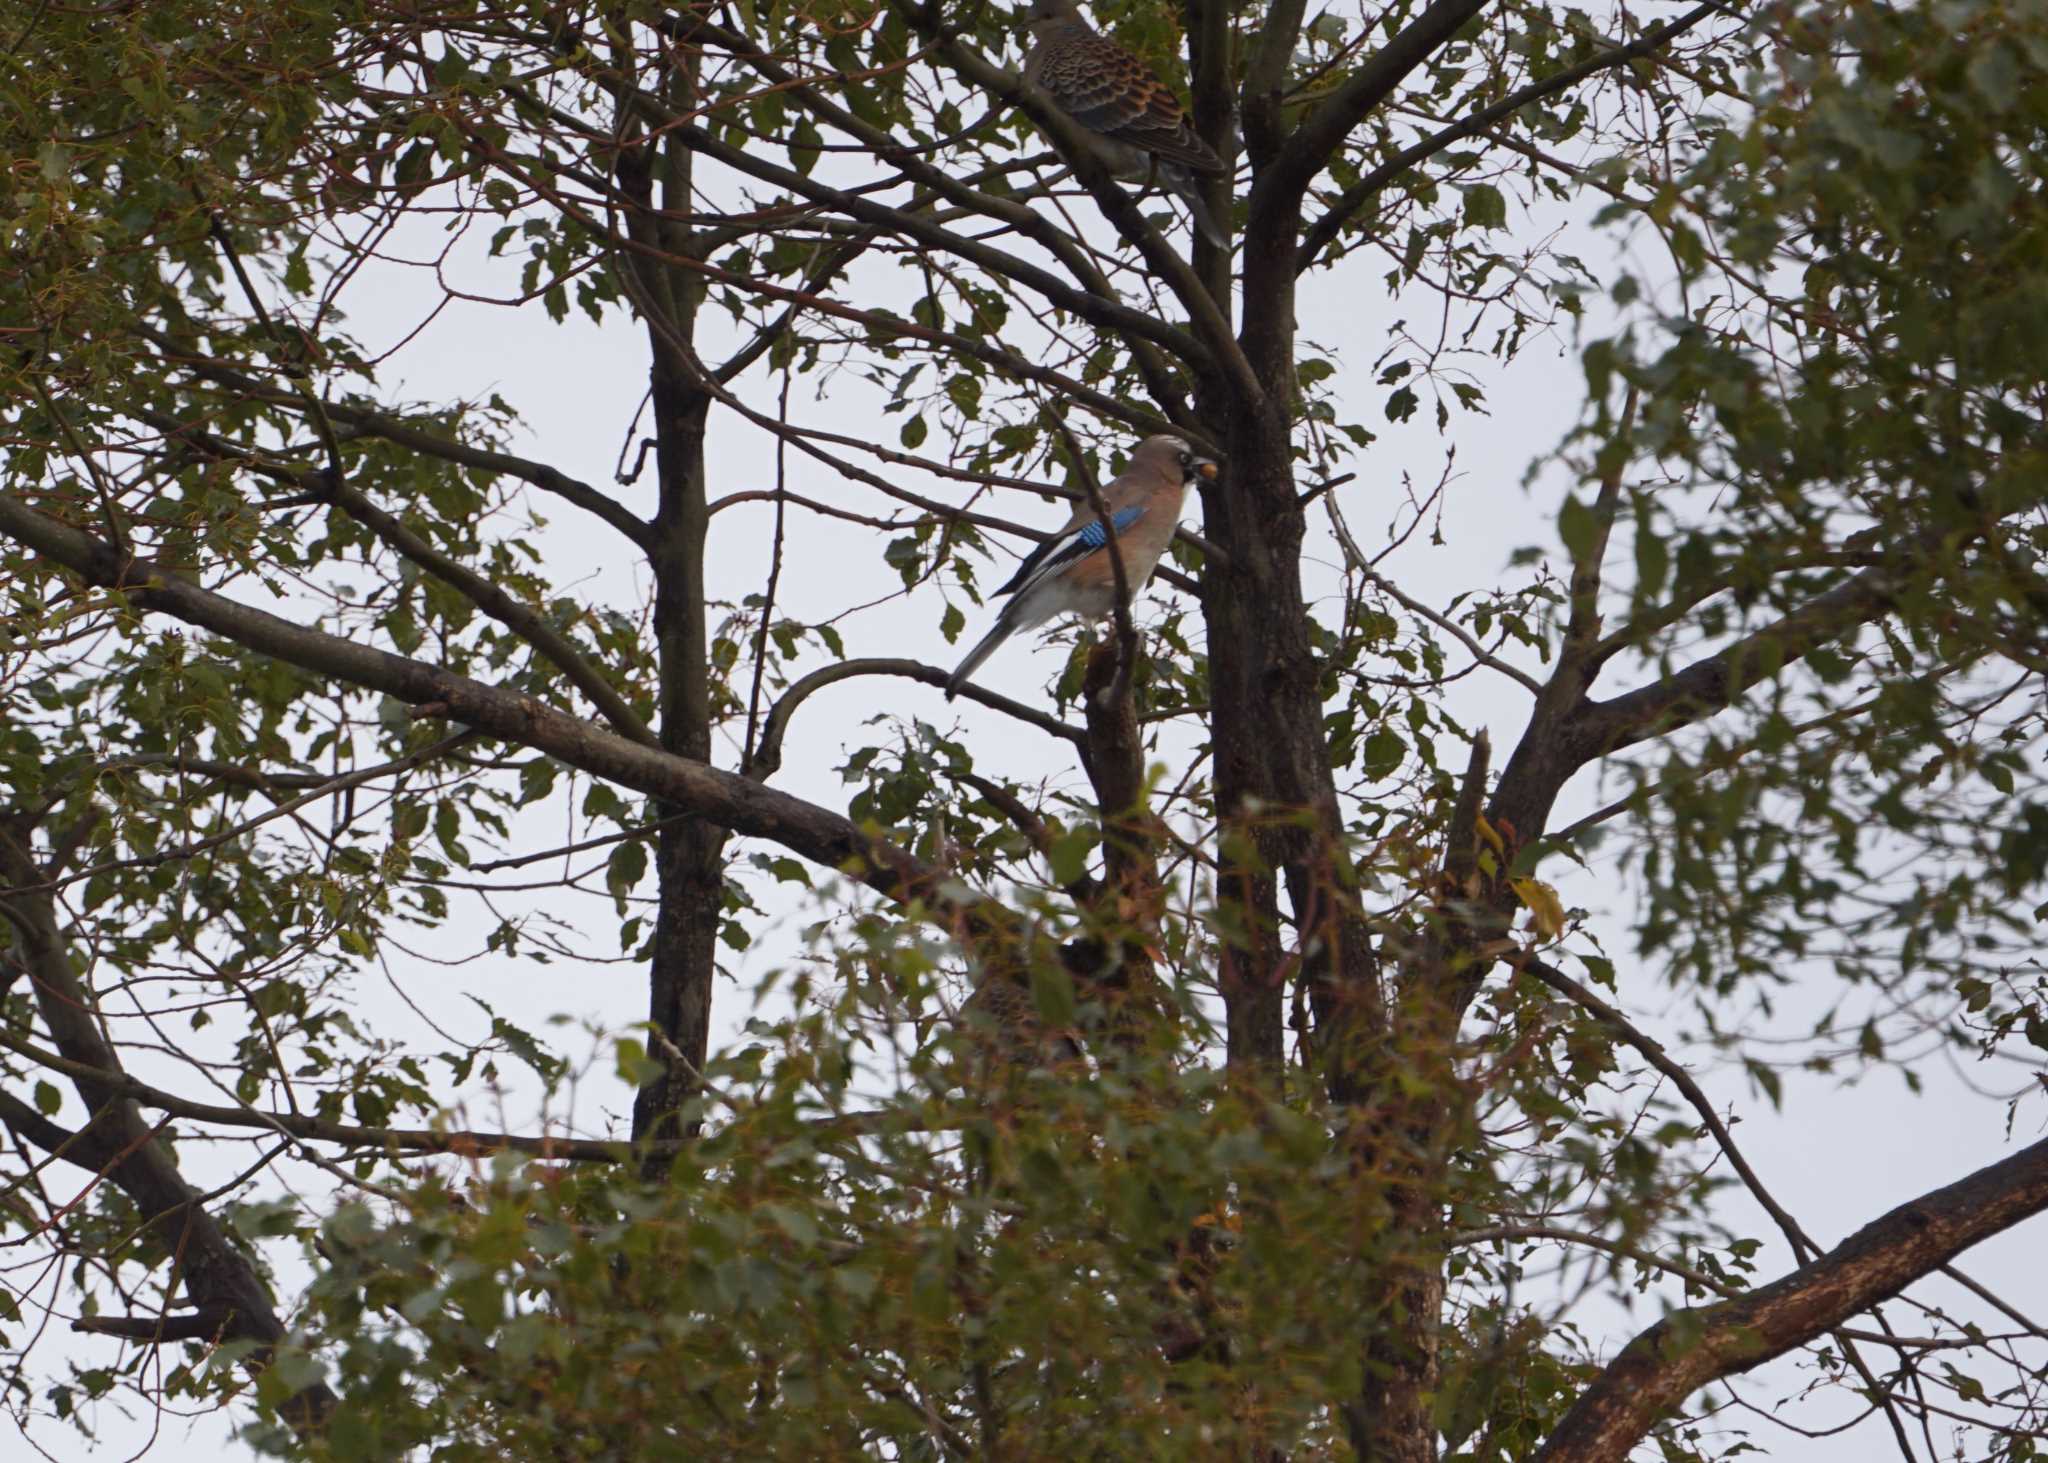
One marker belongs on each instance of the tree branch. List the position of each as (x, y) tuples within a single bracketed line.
[(1264, 75), (523, 620), (723, 798), (1682, 1353), (218, 1276), (1134, 325), (1210, 320), (1619, 1248), (1652, 1051), (768, 755), (1311, 146), (1352, 199), (404, 434), (1714, 682), (884, 325), (1355, 556), (1582, 631)]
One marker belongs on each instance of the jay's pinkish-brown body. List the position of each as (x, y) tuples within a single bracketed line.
[(1072, 572)]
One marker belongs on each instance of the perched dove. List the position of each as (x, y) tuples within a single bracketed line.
[(1142, 134)]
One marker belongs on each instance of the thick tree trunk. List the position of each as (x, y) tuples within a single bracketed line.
[(1252, 641), (1274, 785), (689, 856), (1276, 793)]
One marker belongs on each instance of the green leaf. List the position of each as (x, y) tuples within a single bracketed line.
[(1579, 526), (1052, 995), (1384, 753), (1068, 854), (624, 870), (1485, 208)]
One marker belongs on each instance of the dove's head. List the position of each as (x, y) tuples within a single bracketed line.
[(1039, 10)]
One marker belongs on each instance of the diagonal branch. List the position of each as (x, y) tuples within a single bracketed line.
[(401, 433), (1308, 151), (1356, 558), (1207, 314), (1653, 1052), (720, 797), (218, 1276), (1670, 1361), (1714, 682), (1325, 229), (935, 180), (486, 594), (1567, 731), (882, 325)]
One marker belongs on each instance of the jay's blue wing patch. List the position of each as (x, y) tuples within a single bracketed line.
[(1092, 534), (1055, 553)]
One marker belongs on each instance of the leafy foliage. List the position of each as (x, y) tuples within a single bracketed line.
[(1243, 1076)]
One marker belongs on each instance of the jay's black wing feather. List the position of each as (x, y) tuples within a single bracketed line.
[(1069, 546)]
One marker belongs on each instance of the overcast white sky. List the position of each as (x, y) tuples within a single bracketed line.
[(1841, 1155)]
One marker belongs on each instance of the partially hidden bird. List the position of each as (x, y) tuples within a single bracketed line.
[(1072, 572), (1140, 131)]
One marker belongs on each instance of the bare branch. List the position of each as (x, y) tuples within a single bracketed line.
[(1325, 229), (1494, 1233), (1358, 561), (768, 755), (217, 1275), (1277, 193), (1713, 682), (1652, 1051), (1682, 1353)]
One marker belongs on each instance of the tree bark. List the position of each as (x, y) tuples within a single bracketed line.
[(689, 859), (1670, 1361)]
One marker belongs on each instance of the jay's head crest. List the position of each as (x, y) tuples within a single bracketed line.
[(1167, 454)]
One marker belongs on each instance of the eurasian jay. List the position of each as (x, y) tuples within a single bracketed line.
[(1072, 573), (1142, 133)]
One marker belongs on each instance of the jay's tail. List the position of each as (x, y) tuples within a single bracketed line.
[(983, 649)]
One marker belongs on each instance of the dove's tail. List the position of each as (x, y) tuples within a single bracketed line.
[(1189, 190)]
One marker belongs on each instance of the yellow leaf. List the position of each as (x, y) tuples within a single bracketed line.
[(1486, 831), (1545, 907)]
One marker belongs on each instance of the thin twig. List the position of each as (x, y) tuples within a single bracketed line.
[(1358, 561), (774, 571)]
